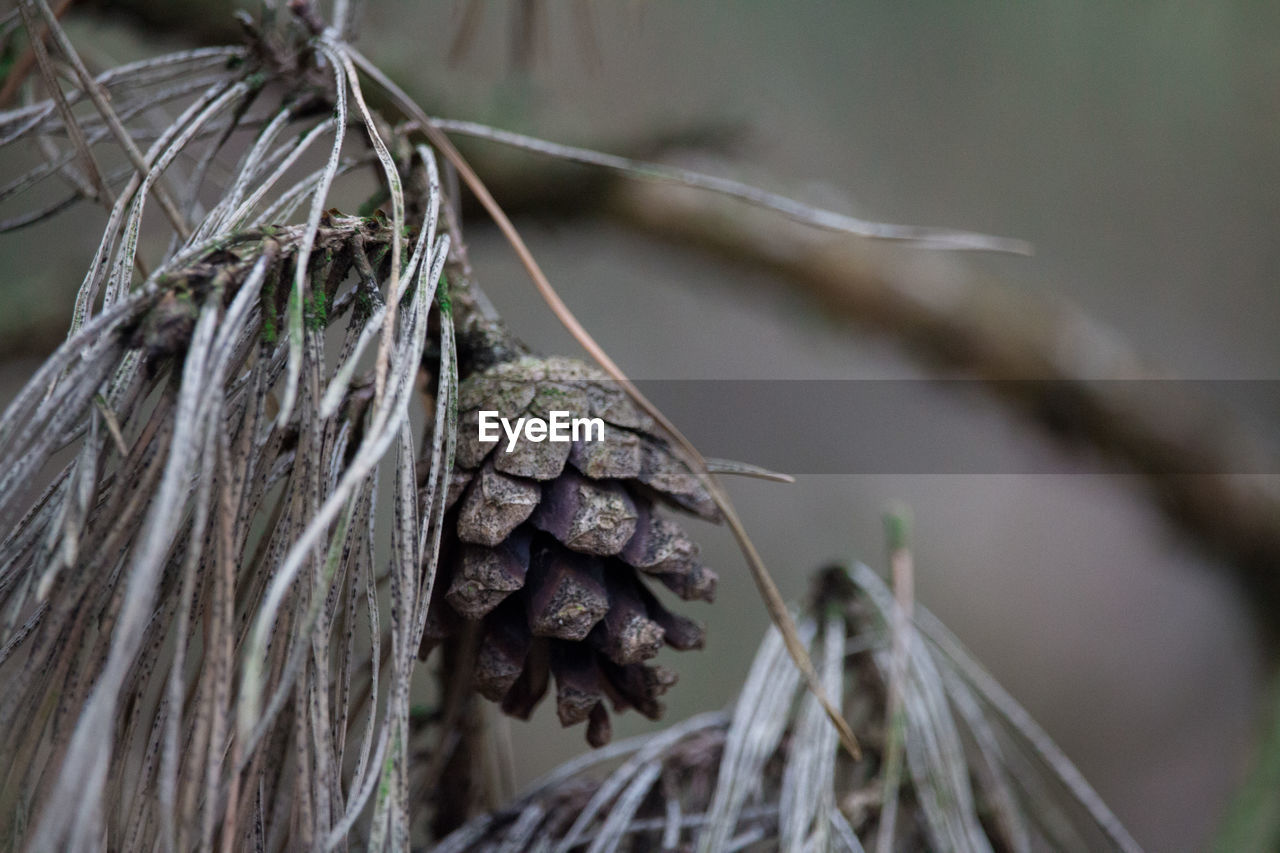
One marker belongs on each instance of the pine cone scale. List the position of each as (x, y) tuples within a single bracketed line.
[(489, 575), (568, 595), (494, 506), (588, 516)]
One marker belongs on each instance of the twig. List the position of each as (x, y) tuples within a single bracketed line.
[(113, 425)]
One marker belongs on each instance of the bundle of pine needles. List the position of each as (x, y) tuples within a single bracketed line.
[(979, 774), (195, 638), (210, 630)]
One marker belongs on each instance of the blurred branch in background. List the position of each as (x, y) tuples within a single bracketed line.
[(998, 332), (960, 323), (201, 22)]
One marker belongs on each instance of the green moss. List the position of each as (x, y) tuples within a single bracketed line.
[(270, 317), (442, 296), (364, 303), (315, 311), (388, 767), (270, 334)]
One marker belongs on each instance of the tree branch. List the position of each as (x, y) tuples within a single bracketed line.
[(1005, 335)]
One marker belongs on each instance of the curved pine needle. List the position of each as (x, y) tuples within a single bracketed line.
[(161, 155), (746, 469), (392, 176), (1016, 717), (759, 719), (294, 310), (95, 134), (252, 718), (921, 237), (16, 123), (807, 800), (224, 214), (80, 786)]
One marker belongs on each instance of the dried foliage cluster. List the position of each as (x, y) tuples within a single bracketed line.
[(211, 619), (205, 637), (975, 772)]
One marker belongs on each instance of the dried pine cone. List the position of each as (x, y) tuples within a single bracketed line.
[(548, 547)]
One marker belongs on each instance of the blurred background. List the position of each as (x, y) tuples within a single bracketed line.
[(1135, 145)]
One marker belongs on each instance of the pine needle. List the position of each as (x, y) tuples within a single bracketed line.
[(912, 235), (773, 773)]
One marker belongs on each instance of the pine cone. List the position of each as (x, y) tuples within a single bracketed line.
[(548, 547)]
